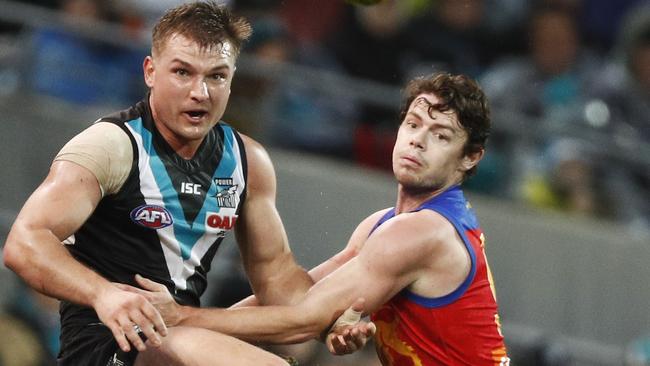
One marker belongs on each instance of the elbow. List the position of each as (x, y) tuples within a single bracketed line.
[(17, 255), (11, 255)]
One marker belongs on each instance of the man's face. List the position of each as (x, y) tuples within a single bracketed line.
[(189, 86), (428, 153)]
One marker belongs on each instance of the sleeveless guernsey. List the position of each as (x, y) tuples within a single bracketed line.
[(168, 218), (461, 328)]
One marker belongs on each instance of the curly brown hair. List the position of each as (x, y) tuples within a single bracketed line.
[(460, 94), (205, 22)]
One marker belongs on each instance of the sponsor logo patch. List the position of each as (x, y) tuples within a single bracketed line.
[(223, 222), (151, 216)]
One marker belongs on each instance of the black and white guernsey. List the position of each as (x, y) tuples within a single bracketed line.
[(169, 217)]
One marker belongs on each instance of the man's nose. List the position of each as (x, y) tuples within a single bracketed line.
[(200, 90), (417, 140)]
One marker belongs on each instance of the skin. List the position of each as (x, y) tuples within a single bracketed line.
[(420, 251), (190, 87)]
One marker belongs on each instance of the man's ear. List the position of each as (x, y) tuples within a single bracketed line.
[(149, 70), (470, 160)]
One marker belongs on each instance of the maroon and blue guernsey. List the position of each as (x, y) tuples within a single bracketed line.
[(460, 328)]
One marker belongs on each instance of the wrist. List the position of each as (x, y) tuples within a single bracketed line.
[(95, 297), (184, 315)]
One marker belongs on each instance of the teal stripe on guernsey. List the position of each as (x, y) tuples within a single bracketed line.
[(187, 234)]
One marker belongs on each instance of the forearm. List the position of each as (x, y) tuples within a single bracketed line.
[(316, 274), (322, 270), (267, 324), (280, 282), (40, 259)]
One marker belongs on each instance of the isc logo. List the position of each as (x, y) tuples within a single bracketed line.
[(151, 216), (216, 221)]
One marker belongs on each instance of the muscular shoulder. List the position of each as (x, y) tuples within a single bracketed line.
[(417, 238), (261, 175), (442, 263), (255, 152), (420, 227), (361, 233), (105, 150)]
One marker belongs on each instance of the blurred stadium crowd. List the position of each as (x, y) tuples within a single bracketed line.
[(568, 81)]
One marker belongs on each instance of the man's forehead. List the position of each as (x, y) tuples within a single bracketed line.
[(223, 50), (425, 100), (428, 104)]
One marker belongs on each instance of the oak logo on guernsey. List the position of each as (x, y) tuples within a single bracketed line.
[(151, 216), (223, 222)]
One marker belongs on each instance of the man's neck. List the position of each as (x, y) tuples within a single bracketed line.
[(409, 199), (186, 149)]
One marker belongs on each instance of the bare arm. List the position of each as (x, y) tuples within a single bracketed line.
[(355, 243), (33, 249), (58, 207), (390, 260), (274, 275)]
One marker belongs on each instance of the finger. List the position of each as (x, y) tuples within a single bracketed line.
[(341, 341), (339, 347), (354, 332), (329, 340), (127, 326), (354, 336), (146, 327), (371, 329), (129, 288), (148, 284), (156, 319), (119, 336), (359, 339)]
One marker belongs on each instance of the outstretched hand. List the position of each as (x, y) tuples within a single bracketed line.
[(158, 295), (349, 333)]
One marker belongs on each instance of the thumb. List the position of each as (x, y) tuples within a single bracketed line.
[(371, 329), (359, 305), (353, 314)]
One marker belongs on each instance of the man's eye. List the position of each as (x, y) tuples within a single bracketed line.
[(181, 72)]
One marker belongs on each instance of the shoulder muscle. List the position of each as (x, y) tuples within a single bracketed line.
[(105, 150)]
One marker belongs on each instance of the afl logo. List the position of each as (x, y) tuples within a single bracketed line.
[(151, 216)]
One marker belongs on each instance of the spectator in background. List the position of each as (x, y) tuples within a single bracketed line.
[(545, 88), (600, 21), (290, 99), (370, 44), (625, 91), (81, 70), (450, 36), (553, 73)]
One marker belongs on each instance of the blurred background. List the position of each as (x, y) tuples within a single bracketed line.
[(563, 192)]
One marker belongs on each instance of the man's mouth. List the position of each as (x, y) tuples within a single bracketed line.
[(196, 114), (412, 160)]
